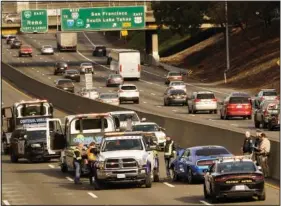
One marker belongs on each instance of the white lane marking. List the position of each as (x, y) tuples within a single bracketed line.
[(153, 94), (70, 179), (49, 78), (153, 74), (204, 202), (208, 89), (169, 185), (43, 74), (88, 39), (144, 102), (92, 195), (174, 110), (193, 115), (159, 106), (6, 202), (235, 125), (37, 71), (46, 61), (141, 90), (52, 166)]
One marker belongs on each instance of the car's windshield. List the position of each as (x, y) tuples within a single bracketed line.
[(146, 128), (239, 100), (47, 47), (62, 64), (33, 110), (211, 152), (109, 96), (115, 76), (122, 144), (16, 42), (124, 117), (177, 84), (34, 135), (86, 64), (128, 88), (237, 166), (174, 74), (71, 72), (66, 81), (205, 96), (177, 92), (25, 47), (270, 93)]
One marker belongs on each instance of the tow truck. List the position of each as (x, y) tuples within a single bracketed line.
[(23, 113), (81, 128)]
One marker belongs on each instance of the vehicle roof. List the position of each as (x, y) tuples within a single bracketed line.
[(86, 63), (177, 82), (115, 134), (174, 72), (64, 80), (268, 90), (123, 112), (71, 70), (47, 45), (204, 92), (205, 146), (239, 94), (108, 93), (145, 123), (91, 115), (128, 85), (30, 101)]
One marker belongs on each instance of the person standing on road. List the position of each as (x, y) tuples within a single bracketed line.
[(77, 160), (92, 157), (264, 151), (248, 146), (256, 147), (169, 151)]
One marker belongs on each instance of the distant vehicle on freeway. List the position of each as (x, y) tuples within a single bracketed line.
[(125, 62), (237, 104), (114, 80), (86, 67), (109, 98), (234, 177), (266, 94), (191, 163), (89, 93), (10, 39), (266, 111), (175, 96), (99, 50), (16, 44), (25, 50), (66, 41), (152, 127), (65, 84), (177, 85), (203, 101), (129, 92), (12, 18), (60, 67), (173, 76), (47, 49), (72, 74), (124, 116)]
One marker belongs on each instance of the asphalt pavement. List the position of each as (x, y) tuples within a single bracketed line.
[(43, 183), (151, 84)]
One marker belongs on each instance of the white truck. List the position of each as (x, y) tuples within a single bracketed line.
[(125, 157), (66, 41), (125, 62)]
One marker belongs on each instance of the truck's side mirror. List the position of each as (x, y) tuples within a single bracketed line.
[(259, 168)]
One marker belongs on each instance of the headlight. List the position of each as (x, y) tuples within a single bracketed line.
[(35, 145), (100, 165)]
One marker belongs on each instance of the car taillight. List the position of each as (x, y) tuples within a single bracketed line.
[(262, 98), (265, 112), (258, 177), (231, 106), (214, 100), (220, 179), (120, 68), (120, 90), (197, 100), (139, 68), (277, 98)]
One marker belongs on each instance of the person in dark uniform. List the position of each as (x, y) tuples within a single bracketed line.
[(257, 143), (248, 144), (169, 153)]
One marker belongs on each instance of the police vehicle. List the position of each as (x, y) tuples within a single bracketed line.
[(236, 176), (23, 112)]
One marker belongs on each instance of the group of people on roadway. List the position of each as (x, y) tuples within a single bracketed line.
[(258, 149)]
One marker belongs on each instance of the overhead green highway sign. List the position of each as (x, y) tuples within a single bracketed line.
[(34, 21), (103, 18)]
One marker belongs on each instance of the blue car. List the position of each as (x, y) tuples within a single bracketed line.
[(191, 163)]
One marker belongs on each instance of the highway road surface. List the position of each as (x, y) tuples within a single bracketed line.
[(43, 183), (151, 84)]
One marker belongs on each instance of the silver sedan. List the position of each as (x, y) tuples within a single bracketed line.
[(47, 49)]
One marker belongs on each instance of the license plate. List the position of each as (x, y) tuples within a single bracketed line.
[(121, 176), (239, 106), (240, 187)]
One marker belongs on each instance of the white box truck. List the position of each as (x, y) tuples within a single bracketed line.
[(125, 62), (66, 41)]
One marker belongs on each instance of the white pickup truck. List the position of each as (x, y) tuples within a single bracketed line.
[(125, 157)]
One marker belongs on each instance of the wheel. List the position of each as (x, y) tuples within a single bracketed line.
[(193, 111), (257, 123), (206, 196), (97, 184), (5, 148), (250, 117), (211, 111), (78, 80), (19, 55), (269, 126), (221, 115), (214, 199), (30, 55), (9, 21), (137, 101), (148, 181), (47, 159), (13, 157), (262, 197), (64, 168), (215, 111), (175, 177), (225, 117), (244, 118), (156, 177), (190, 178)]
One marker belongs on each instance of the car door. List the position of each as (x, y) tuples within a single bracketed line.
[(182, 163), (55, 138)]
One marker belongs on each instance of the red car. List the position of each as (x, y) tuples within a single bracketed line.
[(25, 50), (238, 104), (173, 76)]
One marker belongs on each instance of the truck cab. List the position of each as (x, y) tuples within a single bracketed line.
[(81, 128), (126, 157), (23, 113)]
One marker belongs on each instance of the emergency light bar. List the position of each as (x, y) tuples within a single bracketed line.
[(92, 115), (111, 134), (34, 101), (241, 157)]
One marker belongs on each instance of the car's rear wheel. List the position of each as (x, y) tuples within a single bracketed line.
[(262, 197), (174, 174), (148, 181), (215, 111), (250, 117), (190, 178), (193, 110), (13, 157), (30, 55), (137, 101)]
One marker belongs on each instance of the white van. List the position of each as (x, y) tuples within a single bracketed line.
[(125, 62)]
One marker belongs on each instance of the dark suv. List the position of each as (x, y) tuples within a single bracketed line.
[(99, 51), (16, 44), (60, 67)]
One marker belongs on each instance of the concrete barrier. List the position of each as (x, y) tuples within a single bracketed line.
[(185, 133)]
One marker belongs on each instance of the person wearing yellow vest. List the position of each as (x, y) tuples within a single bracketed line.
[(92, 157), (77, 160), (169, 151)]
